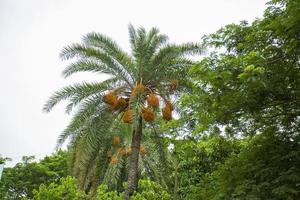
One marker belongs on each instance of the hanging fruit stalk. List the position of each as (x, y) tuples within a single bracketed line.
[(143, 109), (128, 151), (167, 112), (148, 114), (153, 100), (120, 103), (122, 151), (110, 98), (128, 116), (143, 150), (125, 151), (114, 160), (173, 85), (138, 89), (109, 154), (116, 141), (169, 105)]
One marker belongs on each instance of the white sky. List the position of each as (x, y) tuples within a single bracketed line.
[(33, 32)]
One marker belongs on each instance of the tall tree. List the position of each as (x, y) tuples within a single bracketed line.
[(137, 84), (249, 86), (19, 181), (253, 82)]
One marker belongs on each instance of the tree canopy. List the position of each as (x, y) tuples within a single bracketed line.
[(20, 181), (235, 134), (248, 89)]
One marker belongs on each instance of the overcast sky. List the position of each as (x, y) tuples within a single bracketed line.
[(32, 33)]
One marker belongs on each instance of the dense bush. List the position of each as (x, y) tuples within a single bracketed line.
[(265, 168), (66, 189), (147, 190), (198, 159)]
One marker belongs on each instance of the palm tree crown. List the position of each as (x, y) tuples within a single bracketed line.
[(138, 83)]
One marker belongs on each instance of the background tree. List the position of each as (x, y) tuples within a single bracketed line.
[(3, 160), (19, 181), (248, 88), (254, 84), (198, 159)]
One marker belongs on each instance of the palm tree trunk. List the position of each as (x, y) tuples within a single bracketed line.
[(134, 160)]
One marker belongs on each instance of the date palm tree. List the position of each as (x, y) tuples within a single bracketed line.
[(129, 99)]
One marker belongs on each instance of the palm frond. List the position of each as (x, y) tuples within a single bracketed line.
[(88, 111), (85, 52), (86, 65), (153, 42), (112, 49), (77, 92), (171, 51), (132, 36), (94, 141), (113, 174), (140, 50)]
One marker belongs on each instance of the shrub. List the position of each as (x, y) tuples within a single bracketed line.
[(65, 190), (147, 190)]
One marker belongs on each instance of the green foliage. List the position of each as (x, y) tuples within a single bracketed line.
[(242, 106), (199, 159), (252, 80), (4, 159), (104, 194), (147, 190), (66, 189), (58, 163), (265, 168), (248, 87), (19, 181)]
